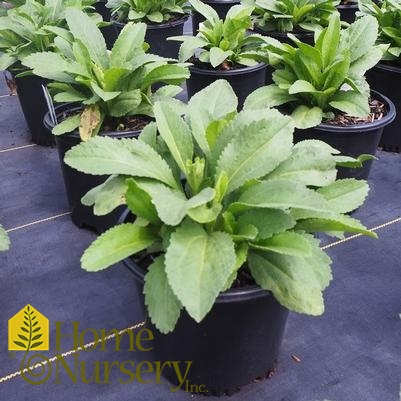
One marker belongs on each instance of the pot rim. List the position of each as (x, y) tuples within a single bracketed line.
[(298, 34), (348, 6), (221, 1), (163, 25), (236, 71), (365, 127), (232, 295), (48, 123)]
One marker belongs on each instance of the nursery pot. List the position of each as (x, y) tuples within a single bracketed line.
[(220, 6), (348, 12), (352, 140), (237, 342), (107, 31), (157, 34), (243, 80), (34, 106), (386, 78), (77, 184)]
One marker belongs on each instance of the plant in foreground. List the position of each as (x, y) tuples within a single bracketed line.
[(112, 84), (292, 15), (388, 16), (216, 193), (149, 11), (223, 42), (318, 82), (33, 27)]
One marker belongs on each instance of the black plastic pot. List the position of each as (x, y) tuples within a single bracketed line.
[(34, 106), (221, 7), (386, 79), (348, 12), (243, 80), (157, 34), (107, 31), (237, 342), (77, 184), (352, 140)]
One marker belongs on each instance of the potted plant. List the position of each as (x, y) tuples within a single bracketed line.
[(220, 6), (4, 240), (298, 17), (111, 91), (27, 29), (386, 76), (163, 18), (324, 89), (220, 237), (347, 10), (222, 49)]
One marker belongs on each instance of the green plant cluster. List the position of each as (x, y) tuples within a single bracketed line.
[(216, 191), (317, 82), (292, 15), (219, 41), (388, 15), (110, 84), (150, 11), (33, 27)]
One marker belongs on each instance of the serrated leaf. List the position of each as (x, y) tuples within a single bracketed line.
[(176, 134), (107, 196), (266, 97), (352, 103), (296, 282), (104, 155), (267, 221), (307, 117), (198, 265), (256, 149), (126, 103), (280, 194), (286, 243), (163, 306), (301, 86), (345, 195), (115, 245)]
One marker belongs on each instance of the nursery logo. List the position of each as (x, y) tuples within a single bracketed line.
[(28, 331)]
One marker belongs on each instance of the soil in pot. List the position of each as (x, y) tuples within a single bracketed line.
[(348, 11), (220, 6), (236, 343), (386, 78), (157, 34), (34, 107), (353, 137), (244, 80), (77, 184)]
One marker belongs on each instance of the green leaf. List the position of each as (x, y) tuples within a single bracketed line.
[(267, 96), (213, 103), (115, 245), (85, 29), (126, 103), (217, 56), (345, 195), (104, 155), (286, 243), (70, 124), (352, 103), (310, 163), (204, 9), (176, 134), (307, 117), (267, 221), (173, 74), (107, 196), (256, 149), (301, 86), (189, 45), (351, 162), (140, 202), (296, 282), (163, 306), (4, 240), (330, 40), (198, 265), (281, 194)]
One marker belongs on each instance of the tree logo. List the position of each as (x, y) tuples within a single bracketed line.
[(28, 330)]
